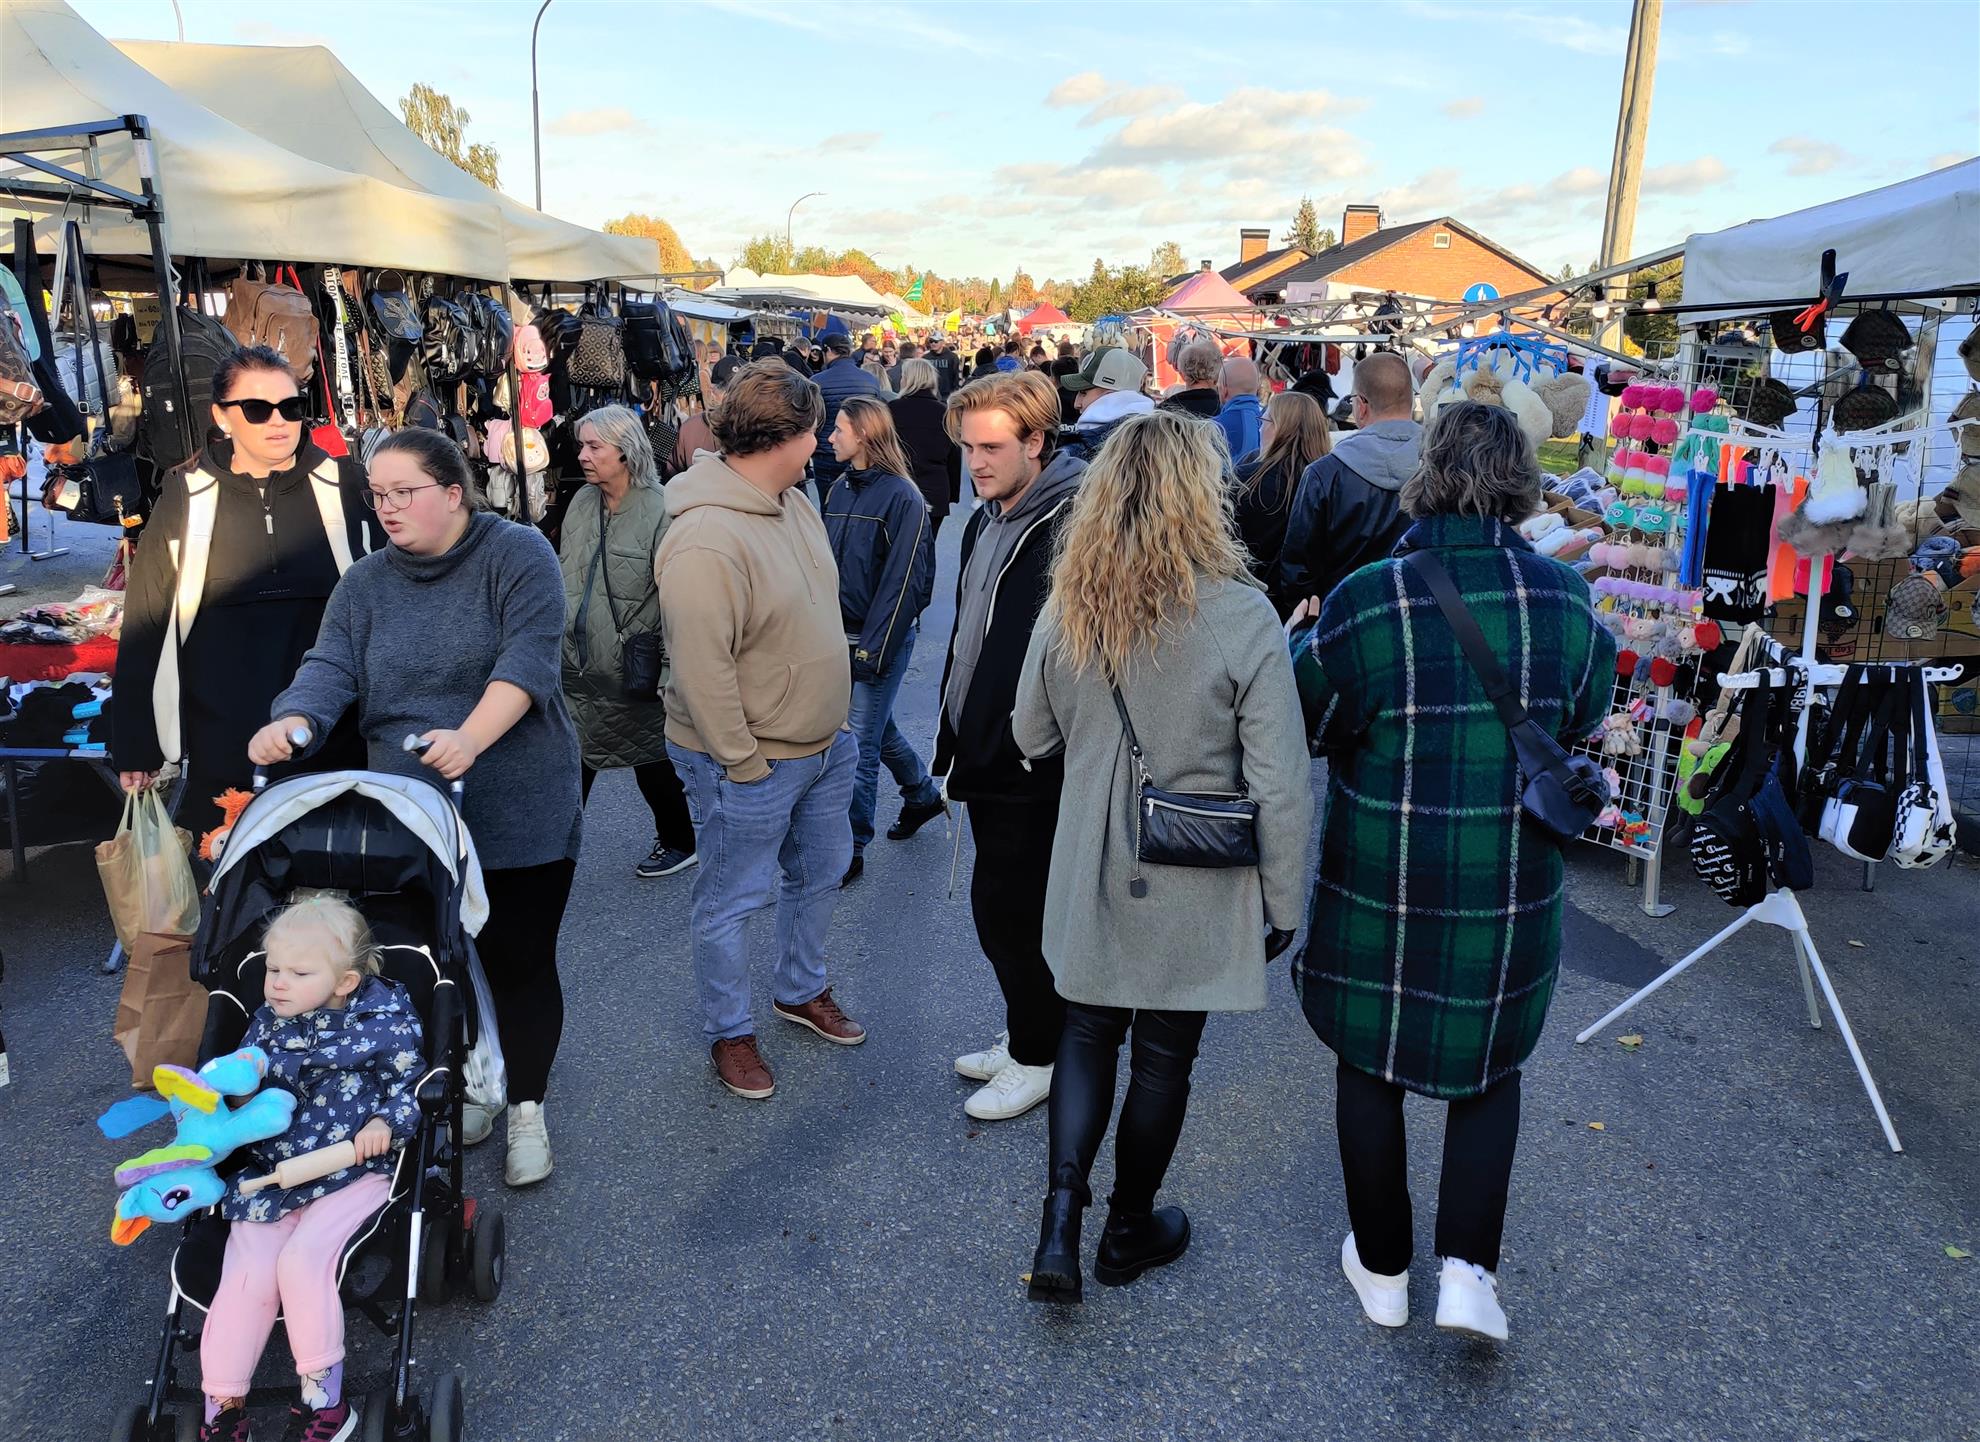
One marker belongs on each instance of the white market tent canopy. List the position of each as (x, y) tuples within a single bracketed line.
[(302, 98), (228, 193), (827, 292), (1913, 238)]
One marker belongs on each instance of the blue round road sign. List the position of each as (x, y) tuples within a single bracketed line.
[(1483, 290)]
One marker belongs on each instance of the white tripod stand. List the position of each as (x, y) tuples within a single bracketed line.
[(1783, 908)]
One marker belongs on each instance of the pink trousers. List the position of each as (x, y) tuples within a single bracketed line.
[(289, 1263)]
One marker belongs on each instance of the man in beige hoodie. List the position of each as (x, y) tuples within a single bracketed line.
[(756, 712)]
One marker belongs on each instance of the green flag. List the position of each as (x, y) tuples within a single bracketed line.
[(913, 296)]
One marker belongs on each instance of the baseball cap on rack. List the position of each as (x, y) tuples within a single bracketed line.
[(1109, 368)]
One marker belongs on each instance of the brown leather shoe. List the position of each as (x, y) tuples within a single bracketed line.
[(823, 1016), (742, 1069)]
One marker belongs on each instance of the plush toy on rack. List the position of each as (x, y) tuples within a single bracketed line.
[(170, 1183), (1492, 378), (1619, 736)]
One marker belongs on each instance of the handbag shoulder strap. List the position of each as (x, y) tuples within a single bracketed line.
[(1469, 637), (601, 565), (1127, 727)]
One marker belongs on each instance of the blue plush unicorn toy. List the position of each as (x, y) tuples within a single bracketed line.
[(169, 1184)]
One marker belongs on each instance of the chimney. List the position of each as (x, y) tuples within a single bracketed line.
[(1252, 243), (1360, 220), (1204, 266)]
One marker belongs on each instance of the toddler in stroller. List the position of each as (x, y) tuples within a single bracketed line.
[(378, 1053), (348, 1042)]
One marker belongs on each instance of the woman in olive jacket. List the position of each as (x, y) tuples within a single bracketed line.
[(611, 533)]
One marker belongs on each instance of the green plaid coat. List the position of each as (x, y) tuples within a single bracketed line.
[(1436, 923)]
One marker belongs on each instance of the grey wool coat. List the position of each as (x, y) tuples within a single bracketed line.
[(1214, 700), (612, 730)]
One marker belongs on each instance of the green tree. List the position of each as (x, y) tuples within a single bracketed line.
[(1115, 291), (433, 117), (766, 255), (1167, 259), (1307, 232), (995, 299), (1655, 331)]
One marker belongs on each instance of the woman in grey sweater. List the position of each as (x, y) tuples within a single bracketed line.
[(1151, 595), (451, 633)]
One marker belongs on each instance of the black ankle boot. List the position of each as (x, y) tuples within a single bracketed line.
[(1134, 1242), (1055, 1271)]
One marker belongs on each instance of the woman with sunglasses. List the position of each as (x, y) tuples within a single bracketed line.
[(453, 634), (237, 561)]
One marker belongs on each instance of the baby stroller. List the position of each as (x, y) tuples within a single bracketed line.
[(396, 845)]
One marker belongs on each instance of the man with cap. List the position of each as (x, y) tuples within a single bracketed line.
[(1106, 390), (948, 370), (840, 380)]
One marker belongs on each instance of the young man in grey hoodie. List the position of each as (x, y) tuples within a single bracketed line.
[(1006, 425), (1346, 512)]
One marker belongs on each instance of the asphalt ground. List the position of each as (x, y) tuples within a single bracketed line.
[(1733, 1254)]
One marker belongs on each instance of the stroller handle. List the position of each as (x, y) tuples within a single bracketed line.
[(299, 738), (419, 746)]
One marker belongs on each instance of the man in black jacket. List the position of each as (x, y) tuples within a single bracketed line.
[(948, 370), (1348, 511), (1199, 363), (839, 379), (1005, 425)]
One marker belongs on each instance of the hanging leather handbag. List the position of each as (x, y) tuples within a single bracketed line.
[(598, 359), (1185, 828), (274, 315), (108, 489), (393, 313), (1561, 793), (1833, 740), (1860, 818), (451, 346), (1926, 827), (1728, 851)]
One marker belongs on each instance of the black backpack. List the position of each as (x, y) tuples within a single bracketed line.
[(450, 349), (657, 344), (495, 333), (203, 344)]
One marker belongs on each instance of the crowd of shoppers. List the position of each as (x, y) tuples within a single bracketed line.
[(1116, 647)]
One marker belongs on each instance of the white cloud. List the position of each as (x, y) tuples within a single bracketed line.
[(1249, 121), (1685, 177), (1808, 156), (1082, 89), (1582, 180), (605, 120), (1947, 157), (1547, 27), (848, 141), (1138, 101), (1465, 108)]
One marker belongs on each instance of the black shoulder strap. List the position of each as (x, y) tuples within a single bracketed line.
[(1472, 640), (1127, 725)]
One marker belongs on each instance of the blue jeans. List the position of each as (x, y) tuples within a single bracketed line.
[(872, 720), (783, 838)]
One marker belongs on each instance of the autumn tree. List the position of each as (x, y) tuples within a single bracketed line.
[(1167, 259), (674, 256), (1307, 232), (434, 118), (1023, 293)]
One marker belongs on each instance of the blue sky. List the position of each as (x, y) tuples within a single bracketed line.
[(978, 138)]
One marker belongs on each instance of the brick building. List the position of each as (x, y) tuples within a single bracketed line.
[(1258, 264), (1438, 258)]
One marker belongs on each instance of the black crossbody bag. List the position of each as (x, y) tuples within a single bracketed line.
[(1186, 828), (1563, 793), (642, 654)]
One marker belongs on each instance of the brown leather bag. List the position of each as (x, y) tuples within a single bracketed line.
[(259, 313)]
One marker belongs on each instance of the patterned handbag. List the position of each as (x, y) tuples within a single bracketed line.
[(598, 359)]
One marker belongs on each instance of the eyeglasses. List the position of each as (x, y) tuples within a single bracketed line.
[(396, 499), (257, 412)]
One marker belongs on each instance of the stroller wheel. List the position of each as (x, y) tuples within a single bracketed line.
[(434, 1287), (377, 1410), (188, 1420), (443, 1411), (490, 1242), (132, 1424)]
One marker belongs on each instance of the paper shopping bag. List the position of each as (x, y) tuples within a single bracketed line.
[(161, 1013), (146, 877)]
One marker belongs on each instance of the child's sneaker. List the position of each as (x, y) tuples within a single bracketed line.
[(326, 1424), (230, 1425)]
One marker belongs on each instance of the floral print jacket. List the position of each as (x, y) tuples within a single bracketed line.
[(345, 1068)]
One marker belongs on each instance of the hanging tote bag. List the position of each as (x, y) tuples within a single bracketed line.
[(1926, 829), (146, 877), (486, 1073)]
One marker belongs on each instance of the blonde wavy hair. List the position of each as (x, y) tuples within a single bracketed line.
[(1151, 519)]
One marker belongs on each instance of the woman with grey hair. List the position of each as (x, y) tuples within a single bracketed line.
[(1435, 930), (611, 534)]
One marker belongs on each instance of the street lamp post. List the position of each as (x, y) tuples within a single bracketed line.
[(810, 195), (535, 117)]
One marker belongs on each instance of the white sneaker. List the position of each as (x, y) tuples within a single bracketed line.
[(1468, 1301), (477, 1122), (1384, 1299), (984, 1065), (529, 1145), (1010, 1093)]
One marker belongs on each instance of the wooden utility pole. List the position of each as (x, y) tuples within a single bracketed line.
[(1626, 166)]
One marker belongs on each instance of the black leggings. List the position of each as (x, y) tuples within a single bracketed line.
[(1479, 1136), (1159, 1063), (518, 948), (660, 784)]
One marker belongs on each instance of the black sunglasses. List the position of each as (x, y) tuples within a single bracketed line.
[(257, 412)]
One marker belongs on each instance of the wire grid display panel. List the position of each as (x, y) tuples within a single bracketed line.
[(1932, 383)]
